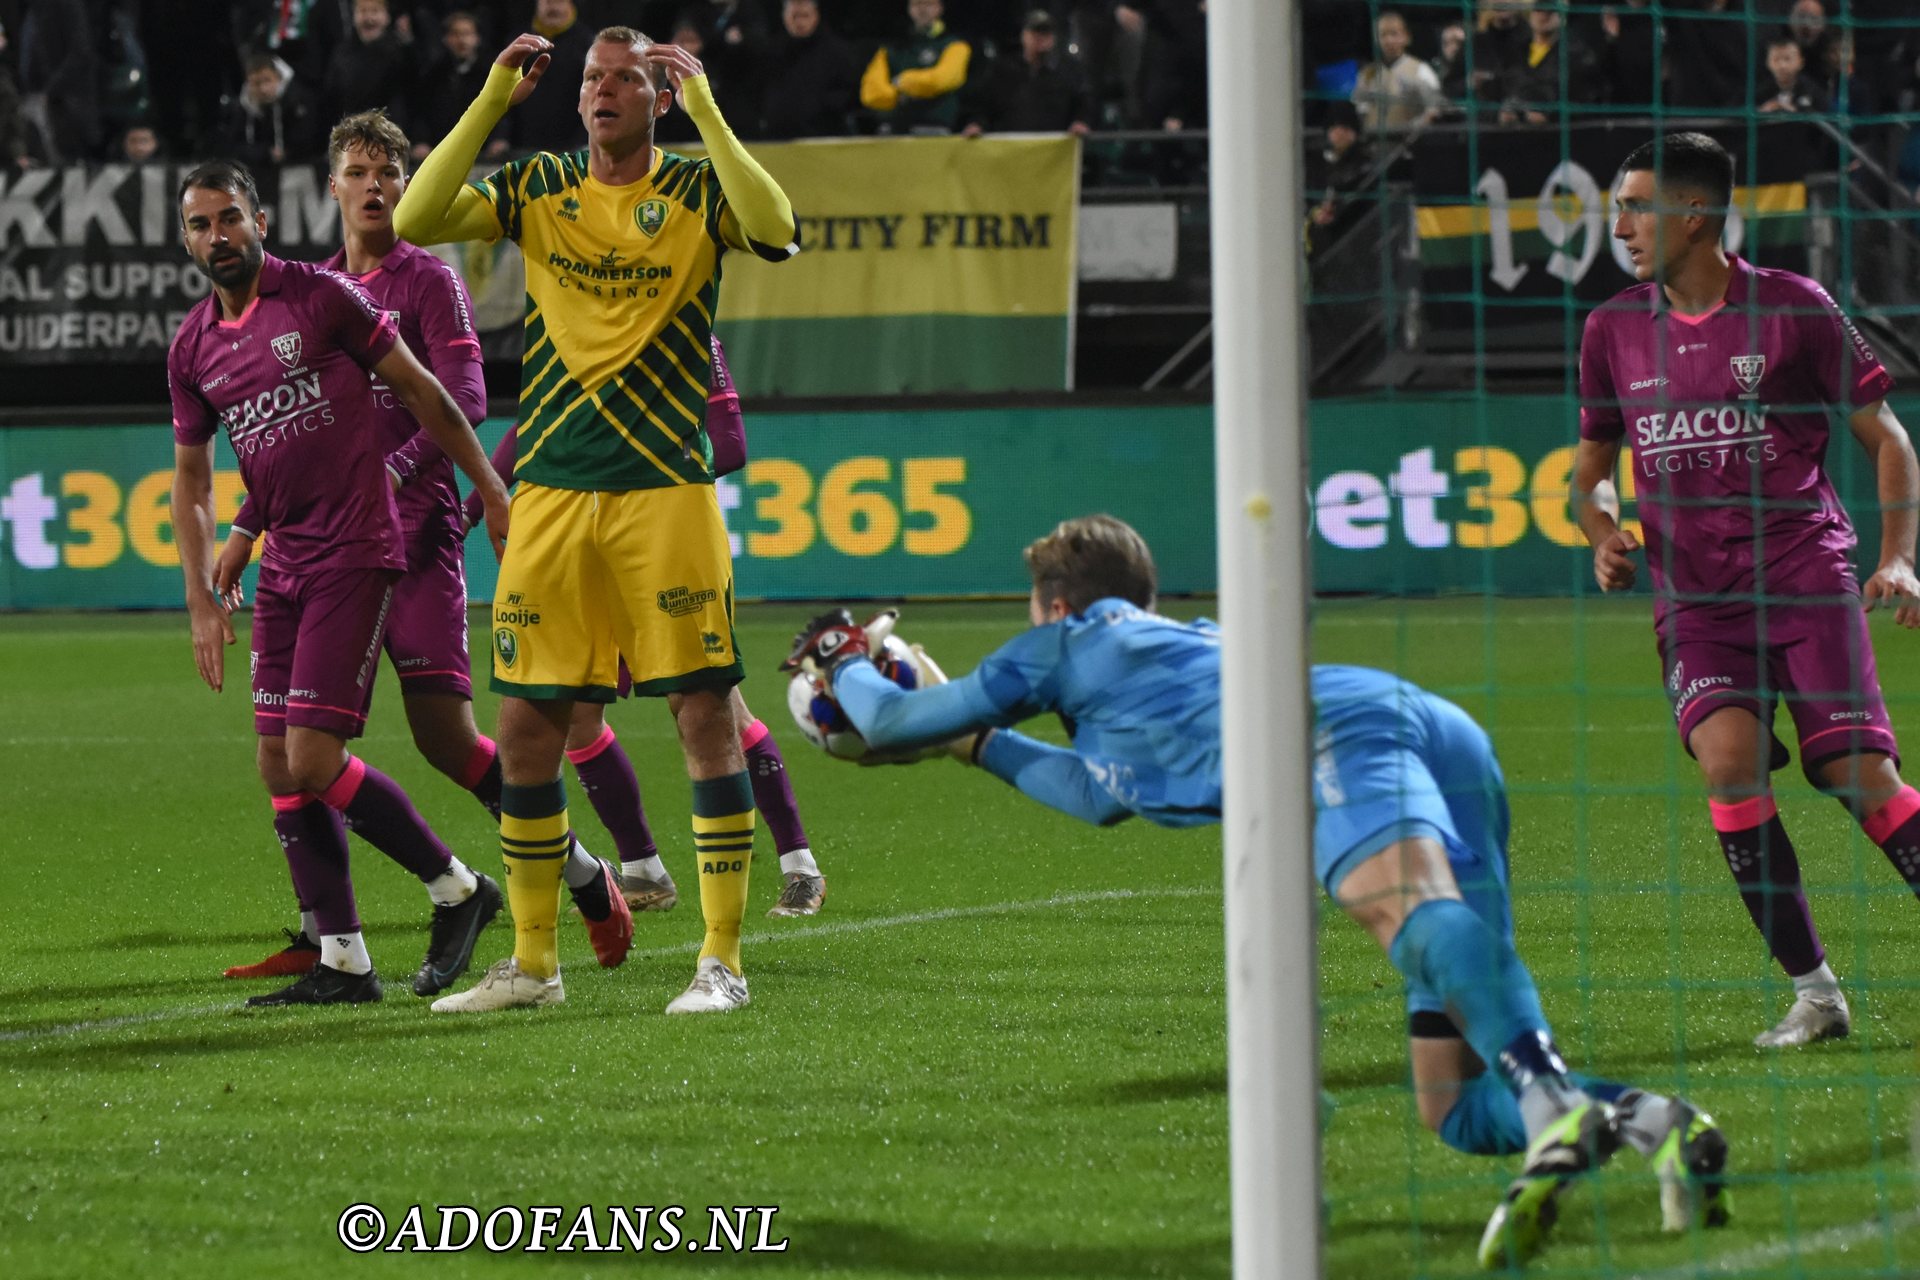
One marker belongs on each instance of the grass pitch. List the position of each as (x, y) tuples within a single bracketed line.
[(997, 1052)]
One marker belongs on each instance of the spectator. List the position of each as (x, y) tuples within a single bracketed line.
[(372, 67), (1789, 88), (549, 120), (139, 144), (1628, 71), (1713, 68), (192, 68), (58, 71), (914, 85), (1176, 75), (1336, 176), (1044, 90), (1807, 26), (1398, 91), (1449, 66), (303, 34), (676, 128), (450, 83), (273, 121), (1500, 40), (811, 79), (734, 40), (14, 151), (1557, 69)]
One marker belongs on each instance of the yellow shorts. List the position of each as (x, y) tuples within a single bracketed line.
[(590, 578)]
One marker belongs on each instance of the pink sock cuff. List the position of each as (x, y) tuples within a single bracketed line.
[(1892, 815), (1742, 815), (751, 735), (288, 804), (346, 786), (478, 763), (593, 748)]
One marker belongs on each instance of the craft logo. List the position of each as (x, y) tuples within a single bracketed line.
[(650, 216), (678, 602), (287, 347), (1747, 371)]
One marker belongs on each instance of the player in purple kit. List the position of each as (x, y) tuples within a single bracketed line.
[(1723, 380), (426, 634), (277, 356)]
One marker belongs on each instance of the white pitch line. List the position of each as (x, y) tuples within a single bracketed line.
[(1775, 1251), (686, 948), (109, 1024)]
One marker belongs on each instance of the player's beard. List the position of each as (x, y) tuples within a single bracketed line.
[(237, 268)]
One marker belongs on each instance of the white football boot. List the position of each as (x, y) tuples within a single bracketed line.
[(714, 989), (1816, 1015), (504, 987)]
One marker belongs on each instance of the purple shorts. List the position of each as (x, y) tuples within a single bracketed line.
[(316, 648), (1818, 657), (427, 626)]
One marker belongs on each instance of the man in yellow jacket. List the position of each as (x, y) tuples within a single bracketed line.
[(915, 84)]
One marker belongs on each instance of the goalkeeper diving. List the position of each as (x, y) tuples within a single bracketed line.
[(1410, 839)]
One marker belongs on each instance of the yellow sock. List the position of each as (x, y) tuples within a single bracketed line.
[(534, 840), (723, 821)]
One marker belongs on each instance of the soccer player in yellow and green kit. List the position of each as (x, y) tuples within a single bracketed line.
[(618, 545)]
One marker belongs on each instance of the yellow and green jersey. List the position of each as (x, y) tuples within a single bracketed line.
[(622, 283)]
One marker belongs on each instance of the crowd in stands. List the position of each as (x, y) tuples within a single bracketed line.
[(263, 80), (1378, 74), (1529, 61)]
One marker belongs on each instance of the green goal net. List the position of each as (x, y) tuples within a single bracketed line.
[(1461, 230)]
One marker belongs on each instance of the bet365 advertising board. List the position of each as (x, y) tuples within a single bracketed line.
[(1409, 496), (842, 505)]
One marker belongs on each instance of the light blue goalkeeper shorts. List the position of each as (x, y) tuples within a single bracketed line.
[(1394, 772)]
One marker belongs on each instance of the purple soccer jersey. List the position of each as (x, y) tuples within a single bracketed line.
[(426, 299), (288, 383), (1727, 416)]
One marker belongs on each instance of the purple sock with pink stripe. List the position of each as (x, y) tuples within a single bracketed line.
[(315, 841), (1764, 866), (1895, 827), (379, 812), (614, 792), (482, 775), (772, 793)]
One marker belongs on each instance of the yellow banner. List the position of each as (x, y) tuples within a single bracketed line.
[(917, 226)]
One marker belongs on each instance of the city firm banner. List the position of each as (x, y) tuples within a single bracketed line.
[(928, 265), (830, 506)]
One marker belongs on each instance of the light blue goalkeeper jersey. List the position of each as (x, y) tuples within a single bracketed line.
[(1140, 695)]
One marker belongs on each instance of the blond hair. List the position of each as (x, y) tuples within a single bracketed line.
[(371, 131), (1092, 558)]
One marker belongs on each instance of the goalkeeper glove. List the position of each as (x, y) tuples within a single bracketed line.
[(827, 643)]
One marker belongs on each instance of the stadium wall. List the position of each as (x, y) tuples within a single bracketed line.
[(1411, 495)]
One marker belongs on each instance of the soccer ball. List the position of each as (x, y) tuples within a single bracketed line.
[(822, 722)]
